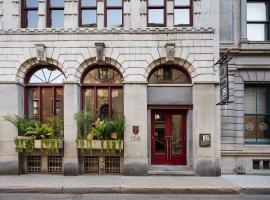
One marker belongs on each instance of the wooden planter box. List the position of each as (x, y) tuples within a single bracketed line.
[(108, 145)]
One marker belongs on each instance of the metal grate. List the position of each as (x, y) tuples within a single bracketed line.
[(33, 163), (91, 164), (55, 163), (112, 164)]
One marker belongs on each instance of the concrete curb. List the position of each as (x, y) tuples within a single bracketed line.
[(118, 190), (255, 190)]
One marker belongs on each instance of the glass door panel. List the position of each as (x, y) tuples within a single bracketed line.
[(59, 103), (33, 103), (103, 103), (47, 104), (159, 134), (117, 103), (176, 127), (89, 102)]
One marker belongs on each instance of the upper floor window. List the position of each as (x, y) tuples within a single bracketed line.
[(258, 20), (55, 14), (114, 13), (182, 12), (88, 13), (167, 74), (156, 13), (29, 13), (257, 114)]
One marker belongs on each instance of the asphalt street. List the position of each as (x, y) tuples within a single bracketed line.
[(35, 196)]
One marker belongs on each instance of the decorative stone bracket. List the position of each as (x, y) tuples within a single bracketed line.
[(41, 53), (170, 49), (100, 52)]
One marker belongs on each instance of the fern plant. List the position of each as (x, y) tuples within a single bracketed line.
[(40, 131)]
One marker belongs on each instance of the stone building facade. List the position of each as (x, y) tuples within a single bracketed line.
[(135, 49)]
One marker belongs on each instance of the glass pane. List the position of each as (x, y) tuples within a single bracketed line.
[(32, 19), (103, 103), (181, 16), (155, 17), (250, 129), (32, 3), (114, 2), (47, 75), (263, 133), (261, 100), (177, 134), (33, 103), (88, 3), (256, 32), (89, 103), (117, 103), (89, 18), (155, 2), (47, 104), (159, 133), (103, 75), (57, 19), (250, 100), (182, 2), (114, 18), (256, 11), (59, 104), (57, 3)]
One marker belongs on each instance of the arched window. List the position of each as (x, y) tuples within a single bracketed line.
[(102, 92), (169, 74), (44, 95)]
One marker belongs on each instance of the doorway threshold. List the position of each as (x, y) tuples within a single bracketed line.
[(170, 170)]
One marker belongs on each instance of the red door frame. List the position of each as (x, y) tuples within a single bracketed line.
[(168, 158)]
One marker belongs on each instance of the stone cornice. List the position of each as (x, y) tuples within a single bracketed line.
[(120, 30)]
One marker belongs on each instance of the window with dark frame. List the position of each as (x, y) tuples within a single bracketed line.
[(257, 114), (182, 12), (29, 14), (156, 13), (258, 20), (55, 13), (88, 13), (114, 13)]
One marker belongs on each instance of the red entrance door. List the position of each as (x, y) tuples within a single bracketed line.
[(168, 137)]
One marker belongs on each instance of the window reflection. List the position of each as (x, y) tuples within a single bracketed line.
[(256, 32), (32, 19), (57, 3), (88, 13), (32, 3), (155, 17), (56, 14), (181, 16), (47, 75), (114, 13), (256, 11), (155, 2), (30, 14), (182, 2), (88, 3), (114, 2)]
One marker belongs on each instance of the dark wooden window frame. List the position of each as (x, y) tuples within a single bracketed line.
[(190, 7), (95, 87), (106, 8), (267, 22), (24, 10), (49, 12), (81, 8), (39, 86), (164, 7)]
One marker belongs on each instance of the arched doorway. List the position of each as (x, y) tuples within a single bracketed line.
[(168, 114), (102, 92)]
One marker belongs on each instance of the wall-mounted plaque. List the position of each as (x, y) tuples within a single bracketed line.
[(205, 140)]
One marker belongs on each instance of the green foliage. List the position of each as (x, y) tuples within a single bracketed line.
[(20, 123), (84, 145), (99, 130), (50, 145), (84, 123), (109, 128), (58, 127), (24, 144), (119, 125), (39, 131)]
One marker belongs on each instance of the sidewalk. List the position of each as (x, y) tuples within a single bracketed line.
[(227, 184)]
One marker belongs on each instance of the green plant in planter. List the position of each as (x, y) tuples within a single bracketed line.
[(109, 128), (84, 145), (24, 144), (57, 126), (84, 123), (39, 131), (119, 125), (99, 130), (20, 123), (50, 145)]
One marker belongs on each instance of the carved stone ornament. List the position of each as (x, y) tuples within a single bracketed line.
[(100, 51), (41, 53), (170, 47)]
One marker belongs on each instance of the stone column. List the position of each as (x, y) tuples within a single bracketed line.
[(11, 95), (135, 111), (71, 14), (206, 120), (100, 14), (42, 9), (71, 106), (243, 18)]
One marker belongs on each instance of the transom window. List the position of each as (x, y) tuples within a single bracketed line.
[(182, 12), (114, 13), (44, 93), (29, 13), (258, 20), (102, 92), (156, 13), (55, 15), (257, 114), (167, 74), (88, 13)]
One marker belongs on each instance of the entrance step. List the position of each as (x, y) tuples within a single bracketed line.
[(170, 170)]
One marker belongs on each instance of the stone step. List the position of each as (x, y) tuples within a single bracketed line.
[(171, 170)]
